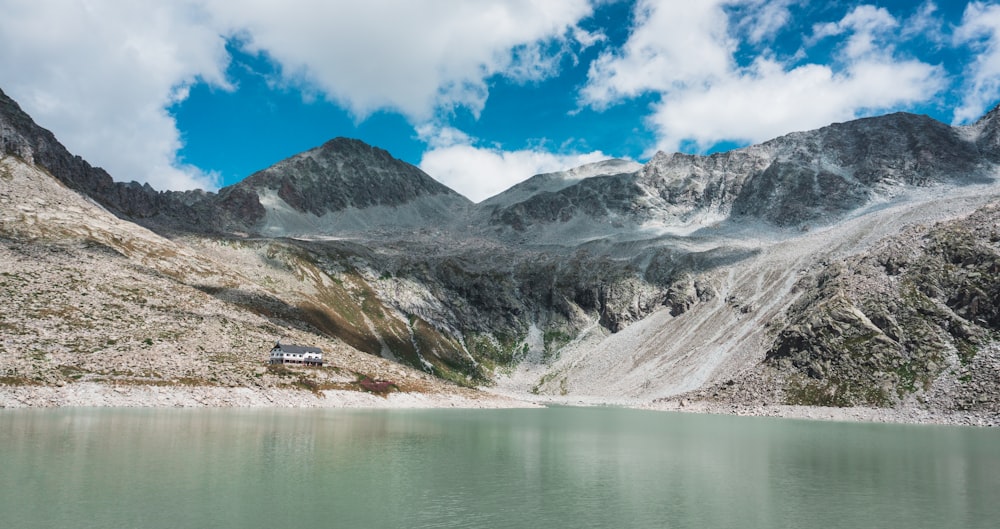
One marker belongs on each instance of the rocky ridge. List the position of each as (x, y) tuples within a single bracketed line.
[(608, 284), (343, 185), (798, 180), (22, 138)]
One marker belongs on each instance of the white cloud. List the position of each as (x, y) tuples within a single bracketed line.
[(413, 57), (675, 44), (586, 38), (863, 26), (481, 172), (763, 19), (101, 74), (767, 101), (685, 54), (926, 23), (439, 136), (981, 30)]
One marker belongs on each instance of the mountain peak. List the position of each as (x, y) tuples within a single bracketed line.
[(986, 133), (342, 143), (990, 116), (346, 185), (345, 173)]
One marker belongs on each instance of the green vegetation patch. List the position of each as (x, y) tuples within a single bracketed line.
[(834, 392), (18, 380)]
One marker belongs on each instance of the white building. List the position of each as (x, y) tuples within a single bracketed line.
[(296, 354)]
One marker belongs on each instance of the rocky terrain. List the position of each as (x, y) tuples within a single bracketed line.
[(852, 267), (99, 311)]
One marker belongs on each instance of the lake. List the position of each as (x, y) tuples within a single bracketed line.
[(554, 467)]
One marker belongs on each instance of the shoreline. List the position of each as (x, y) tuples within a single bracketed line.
[(857, 414), (91, 394)]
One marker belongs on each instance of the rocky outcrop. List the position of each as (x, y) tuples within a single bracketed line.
[(875, 328), (986, 134)]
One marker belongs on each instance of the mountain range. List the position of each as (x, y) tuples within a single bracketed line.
[(853, 265)]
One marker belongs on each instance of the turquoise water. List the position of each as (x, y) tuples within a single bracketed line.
[(557, 467)]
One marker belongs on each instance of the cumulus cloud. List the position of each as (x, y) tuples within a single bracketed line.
[(763, 19), (766, 101), (481, 172), (101, 74), (413, 57), (686, 56), (863, 26), (980, 29), (674, 45)]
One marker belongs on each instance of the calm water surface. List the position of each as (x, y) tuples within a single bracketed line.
[(557, 468)]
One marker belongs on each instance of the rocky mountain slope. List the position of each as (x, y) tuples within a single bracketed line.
[(800, 320), (345, 186), (102, 304), (853, 265), (342, 186), (871, 328), (801, 179)]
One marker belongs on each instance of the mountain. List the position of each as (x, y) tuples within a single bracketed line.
[(554, 182), (342, 186), (21, 137), (854, 265), (101, 311), (797, 180)]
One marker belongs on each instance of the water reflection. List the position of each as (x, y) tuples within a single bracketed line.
[(560, 467)]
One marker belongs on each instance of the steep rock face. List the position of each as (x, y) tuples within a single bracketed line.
[(21, 137), (595, 198), (821, 175), (807, 177), (871, 329), (986, 134), (682, 185)]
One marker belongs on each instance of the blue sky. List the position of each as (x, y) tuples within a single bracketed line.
[(482, 94)]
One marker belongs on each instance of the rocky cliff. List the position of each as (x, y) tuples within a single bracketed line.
[(873, 328)]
